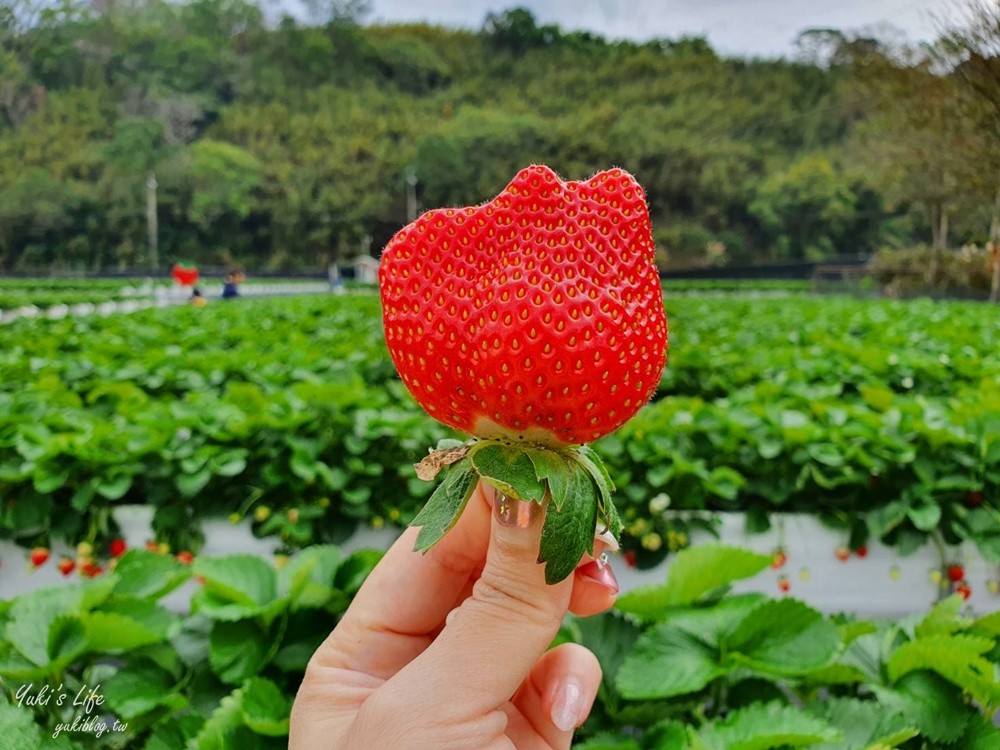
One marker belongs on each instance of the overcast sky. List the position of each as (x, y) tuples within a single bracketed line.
[(736, 27)]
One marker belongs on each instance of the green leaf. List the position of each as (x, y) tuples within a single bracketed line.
[(145, 574), (241, 579), (988, 625), (31, 617), (944, 618), (237, 650), (229, 463), (190, 485), (138, 688), (667, 661), (67, 639), (114, 488), (355, 569), (216, 733), (118, 632), (958, 658), (265, 709), (925, 517), (609, 741), (765, 726), (607, 511), (568, 533), (308, 578), (785, 637), (19, 729), (929, 702), (981, 735), (863, 724), (508, 468), (443, 509), (554, 470), (700, 570), (609, 636)]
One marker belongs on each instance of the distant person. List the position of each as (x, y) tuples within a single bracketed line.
[(230, 288), (197, 298)]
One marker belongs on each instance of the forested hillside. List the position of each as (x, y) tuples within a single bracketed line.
[(286, 146)]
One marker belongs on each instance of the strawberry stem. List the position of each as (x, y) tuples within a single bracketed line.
[(571, 482)]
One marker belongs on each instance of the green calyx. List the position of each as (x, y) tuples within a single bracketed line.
[(571, 482)]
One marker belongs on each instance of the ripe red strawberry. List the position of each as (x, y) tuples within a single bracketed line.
[(784, 585), (538, 315), (38, 556), (843, 554), (534, 322), (90, 569), (117, 547), (963, 590), (185, 557), (67, 565), (956, 573), (861, 551)]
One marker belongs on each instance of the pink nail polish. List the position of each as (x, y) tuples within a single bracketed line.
[(600, 572)]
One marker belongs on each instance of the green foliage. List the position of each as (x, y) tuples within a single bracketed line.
[(288, 145), (727, 672), (221, 674), (745, 671), (880, 417)]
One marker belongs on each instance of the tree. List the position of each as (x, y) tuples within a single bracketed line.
[(972, 46), (921, 146), (805, 208)]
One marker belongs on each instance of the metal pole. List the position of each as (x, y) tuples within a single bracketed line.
[(411, 195), (151, 223)]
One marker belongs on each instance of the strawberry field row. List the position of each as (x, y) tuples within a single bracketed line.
[(883, 417)]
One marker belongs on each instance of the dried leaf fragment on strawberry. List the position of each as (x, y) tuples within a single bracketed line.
[(534, 323)]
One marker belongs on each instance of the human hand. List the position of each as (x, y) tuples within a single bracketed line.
[(447, 650)]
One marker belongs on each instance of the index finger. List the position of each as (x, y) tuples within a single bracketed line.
[(403, 603)]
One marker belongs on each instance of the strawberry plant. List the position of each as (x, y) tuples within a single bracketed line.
[(687, 665), (109, 653), (535, 323), (770, 404), (169, 655)]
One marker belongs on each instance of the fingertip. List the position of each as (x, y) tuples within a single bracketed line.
[(595, 588)]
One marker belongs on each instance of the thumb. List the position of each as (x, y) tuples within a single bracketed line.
[(492, 641)]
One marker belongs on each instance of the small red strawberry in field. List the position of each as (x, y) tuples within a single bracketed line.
[(956, 573), (67, 565), (842, 553), (861, 551), (784, 585), (117, 547), (779, 560), (535, 323), (185, 557), (90, 569), (963, 590), (38, 556)]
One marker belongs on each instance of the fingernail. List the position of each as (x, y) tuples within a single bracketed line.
[(600, 572), (515, 513), (609, 540), (567, 705)]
